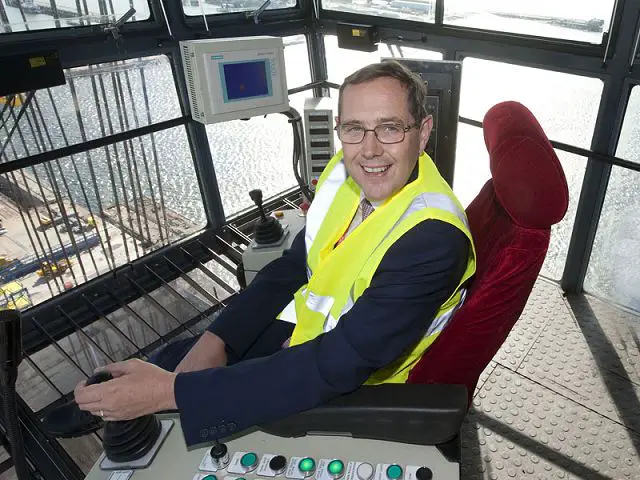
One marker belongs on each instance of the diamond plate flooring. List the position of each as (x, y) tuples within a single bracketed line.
[(561, 397)]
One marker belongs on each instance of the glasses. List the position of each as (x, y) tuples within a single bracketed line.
[(385, 133)]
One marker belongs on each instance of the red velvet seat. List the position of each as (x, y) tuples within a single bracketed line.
[(510, 221)]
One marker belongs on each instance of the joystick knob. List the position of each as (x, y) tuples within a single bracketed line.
[(266, 229), (219, 455)]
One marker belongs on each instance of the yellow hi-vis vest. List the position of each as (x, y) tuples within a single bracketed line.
[(338, 276)]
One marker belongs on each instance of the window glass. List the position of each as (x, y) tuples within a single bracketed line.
[(258, 153), (565, 105), (72, 219), (567, 20), (614, 267), (22, 15), (97, 100), (417, 10), (472, 172), (216, 7), (342, 62)]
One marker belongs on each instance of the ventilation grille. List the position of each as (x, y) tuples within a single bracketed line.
[(188, 61)]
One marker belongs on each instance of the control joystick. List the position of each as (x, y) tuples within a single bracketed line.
[(267, 230), (127, 440)]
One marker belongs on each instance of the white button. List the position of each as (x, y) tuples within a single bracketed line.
[(365, 471)]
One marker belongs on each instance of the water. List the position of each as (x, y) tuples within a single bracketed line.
[(257, 153)]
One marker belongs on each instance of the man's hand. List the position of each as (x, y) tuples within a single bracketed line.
[(138, 388), (208, 352)]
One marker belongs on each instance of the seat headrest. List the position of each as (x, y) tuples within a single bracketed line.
[(527, 176)]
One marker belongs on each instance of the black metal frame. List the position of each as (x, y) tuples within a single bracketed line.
[(608, 61)]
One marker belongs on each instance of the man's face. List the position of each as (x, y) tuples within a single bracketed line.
[(381, 169)]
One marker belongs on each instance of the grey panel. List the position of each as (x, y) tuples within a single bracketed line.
[(543, 305), (591, 359), (520, 429)]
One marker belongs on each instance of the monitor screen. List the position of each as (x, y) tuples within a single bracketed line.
[(247, 79)]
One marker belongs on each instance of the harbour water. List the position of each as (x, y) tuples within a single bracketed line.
[(257, 153)]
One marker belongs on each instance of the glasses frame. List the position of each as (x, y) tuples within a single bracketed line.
[(364, 134)]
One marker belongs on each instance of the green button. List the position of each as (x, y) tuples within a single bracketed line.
[(336, 467), (394, 472), (248, 460), (307, 465), (210, 477)]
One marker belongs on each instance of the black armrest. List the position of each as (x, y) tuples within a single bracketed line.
[(405, 413)]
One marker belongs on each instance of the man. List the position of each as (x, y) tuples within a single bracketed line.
[(375, 276)]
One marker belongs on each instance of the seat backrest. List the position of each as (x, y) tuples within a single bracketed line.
[(510, 221)]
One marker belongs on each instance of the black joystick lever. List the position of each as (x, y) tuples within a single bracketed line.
[(10, 358), (128, 440), (266, 229)]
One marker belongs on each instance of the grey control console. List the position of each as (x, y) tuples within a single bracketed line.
[(260, 456), (371, 434)]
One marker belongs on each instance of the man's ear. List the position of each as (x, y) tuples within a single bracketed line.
[(337, 120), (425, 131)]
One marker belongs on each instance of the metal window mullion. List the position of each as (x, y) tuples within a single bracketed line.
[(155, 157), (209, 273), (89, 160), (35, 127), (126, 155), (44, 199), (173, 291), (82, 188), (37, 214), (129, 151), (144, 155), (71, 199), (103, 315), (139, 182), (81, 331), (119, 170), (55, 13), (57, 347), (185, 276), (155, 302)]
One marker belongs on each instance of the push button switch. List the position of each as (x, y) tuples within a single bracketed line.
[(336, 468), (394, 472), (278, 464), (364, 471), (249, 461), (307, 466)]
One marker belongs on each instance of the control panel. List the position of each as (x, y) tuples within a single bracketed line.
[(319, 136), (443, 79), (257, 255), (256, 455)]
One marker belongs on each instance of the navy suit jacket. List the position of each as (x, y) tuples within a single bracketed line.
[(416, 275)]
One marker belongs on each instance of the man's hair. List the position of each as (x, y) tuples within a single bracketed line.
[(413, 83)]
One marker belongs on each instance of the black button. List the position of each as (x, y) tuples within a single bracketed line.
[(218, 451), (277, 463), (424, 473)]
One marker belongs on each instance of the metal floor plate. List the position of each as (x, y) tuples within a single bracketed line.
[(560, 399)]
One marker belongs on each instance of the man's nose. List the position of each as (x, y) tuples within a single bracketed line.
[(371, 146)]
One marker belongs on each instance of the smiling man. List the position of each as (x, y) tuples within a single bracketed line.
[(364, 290)]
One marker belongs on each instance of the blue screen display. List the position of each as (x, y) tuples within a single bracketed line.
[(246, 79)]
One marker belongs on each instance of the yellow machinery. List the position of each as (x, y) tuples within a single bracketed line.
[(14, 296)]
